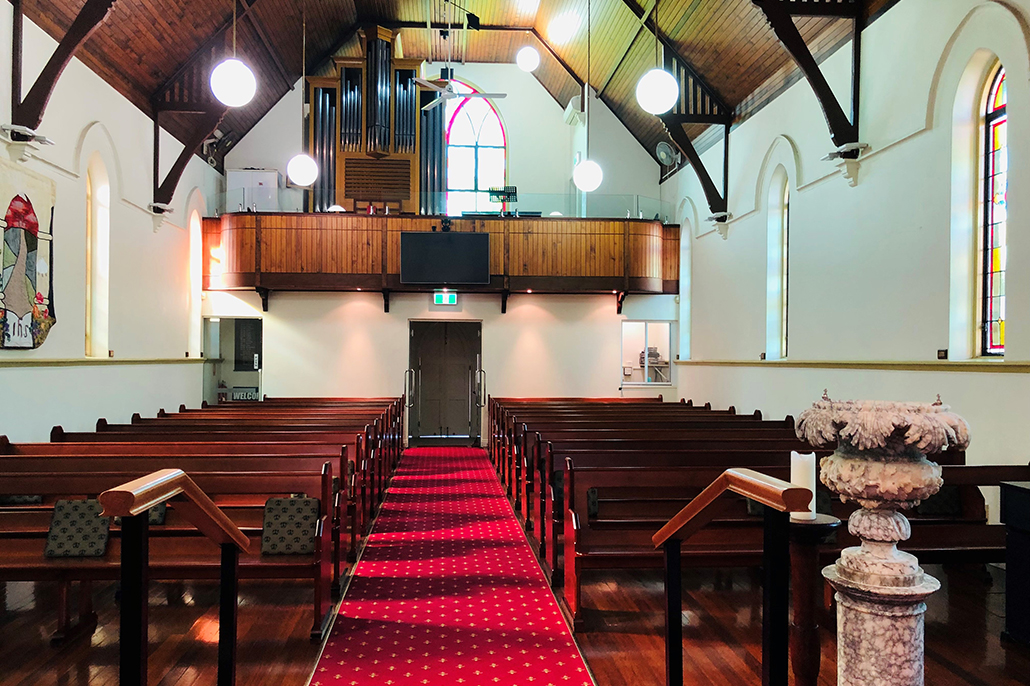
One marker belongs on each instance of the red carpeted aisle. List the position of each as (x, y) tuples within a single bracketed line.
[(447, 590)]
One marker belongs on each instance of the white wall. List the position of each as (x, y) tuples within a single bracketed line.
[(275, 139), (629, 170), (149, 295), (541, 146), (869, 265), (343, 344)]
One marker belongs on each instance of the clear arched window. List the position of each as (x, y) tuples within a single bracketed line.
[(993, 216), (777, 266), (98, 231), (476, 153)]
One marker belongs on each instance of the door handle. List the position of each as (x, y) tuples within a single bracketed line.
[(409, 386), (481, 384)]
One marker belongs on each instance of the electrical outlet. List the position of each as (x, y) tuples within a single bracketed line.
[(942, 354)]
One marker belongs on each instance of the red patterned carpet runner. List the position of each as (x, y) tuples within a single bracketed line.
[(447, 590)]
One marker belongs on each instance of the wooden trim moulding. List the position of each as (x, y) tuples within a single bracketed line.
[(98, 362), (978, 366)]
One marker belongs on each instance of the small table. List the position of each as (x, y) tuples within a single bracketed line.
[(1015, 513)]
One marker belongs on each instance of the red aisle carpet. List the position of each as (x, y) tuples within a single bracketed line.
[(447, 590)]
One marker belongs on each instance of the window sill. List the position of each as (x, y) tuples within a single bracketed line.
[(988, 365), (645, 384)]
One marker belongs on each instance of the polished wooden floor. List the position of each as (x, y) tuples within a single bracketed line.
[(722, 616), (274, 626), (622, 642)]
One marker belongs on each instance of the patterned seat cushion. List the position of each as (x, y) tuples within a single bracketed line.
[(77, 530), (289, 526)]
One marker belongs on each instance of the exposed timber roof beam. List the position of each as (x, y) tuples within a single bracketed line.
[(843, 131), (670, 49), (642, 19), (29, 112), (263, 35), (205, 47)]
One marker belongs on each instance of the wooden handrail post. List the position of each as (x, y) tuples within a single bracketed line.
[(133, 641), (806, 584), (775, 596), (228, 604), (673, 613)]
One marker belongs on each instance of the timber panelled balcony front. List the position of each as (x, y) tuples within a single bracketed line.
[(345, 252)]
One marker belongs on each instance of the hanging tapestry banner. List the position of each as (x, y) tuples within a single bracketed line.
[(26, 282)]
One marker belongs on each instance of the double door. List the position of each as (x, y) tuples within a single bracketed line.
[(445, 383)]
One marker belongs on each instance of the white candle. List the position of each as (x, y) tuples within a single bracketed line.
[(802, 473)]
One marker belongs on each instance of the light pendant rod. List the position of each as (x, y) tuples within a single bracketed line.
[(657, 52), (586, 93), (234, 29)]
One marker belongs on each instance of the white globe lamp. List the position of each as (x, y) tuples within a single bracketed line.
[(302, 170), (527, 58), (233, 83), (587, 176), (657, 91)]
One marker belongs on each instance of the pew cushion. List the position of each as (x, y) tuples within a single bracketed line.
[(289, 526), (77, 530), (20, 500)]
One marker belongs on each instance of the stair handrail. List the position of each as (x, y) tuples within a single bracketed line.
[(138, 496), (132, 502), (769, 491), (779, 498)]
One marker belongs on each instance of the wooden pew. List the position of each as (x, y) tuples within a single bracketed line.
[(612, 511), (343, 516), (177, 552)]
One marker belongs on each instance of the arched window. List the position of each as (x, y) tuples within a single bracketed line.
[(994, 182), (777, 266), (98, 231), (196, 282), (476, 153)]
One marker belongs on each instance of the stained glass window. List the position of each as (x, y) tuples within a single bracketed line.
[(476, 153), (993, 213)]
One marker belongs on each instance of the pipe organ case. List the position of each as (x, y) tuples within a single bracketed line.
[(365, 128)]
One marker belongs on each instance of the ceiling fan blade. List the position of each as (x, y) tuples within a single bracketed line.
[(483, 95), (433, 104), (429, 84)]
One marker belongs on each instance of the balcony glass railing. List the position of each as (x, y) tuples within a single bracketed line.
[(579, 205)]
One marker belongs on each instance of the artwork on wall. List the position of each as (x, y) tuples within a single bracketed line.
[(27, 252)]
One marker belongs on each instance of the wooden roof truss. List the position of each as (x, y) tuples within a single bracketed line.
[(780, 14)]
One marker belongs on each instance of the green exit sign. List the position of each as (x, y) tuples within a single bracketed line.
[(445, 298)]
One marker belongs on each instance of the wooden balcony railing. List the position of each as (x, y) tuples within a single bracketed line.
[(778, 498), (131, 502), (346, 252)]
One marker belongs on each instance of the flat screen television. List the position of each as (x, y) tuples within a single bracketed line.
[(440, 259)]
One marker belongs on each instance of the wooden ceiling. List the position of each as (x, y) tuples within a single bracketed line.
[(147, 45)]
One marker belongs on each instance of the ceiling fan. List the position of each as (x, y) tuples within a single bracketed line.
[(445, 87)]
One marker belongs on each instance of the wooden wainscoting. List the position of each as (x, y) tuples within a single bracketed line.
[(293, 251)]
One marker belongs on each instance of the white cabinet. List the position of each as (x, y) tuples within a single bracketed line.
[(252, 189)]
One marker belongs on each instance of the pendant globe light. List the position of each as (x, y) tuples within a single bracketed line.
[(587, 175), (527, 58), (232, 81), (657, 90), (302, 170)]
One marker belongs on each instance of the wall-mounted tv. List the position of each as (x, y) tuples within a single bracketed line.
[(451, 258)]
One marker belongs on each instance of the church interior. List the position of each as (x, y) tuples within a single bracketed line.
[(511, 342)]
